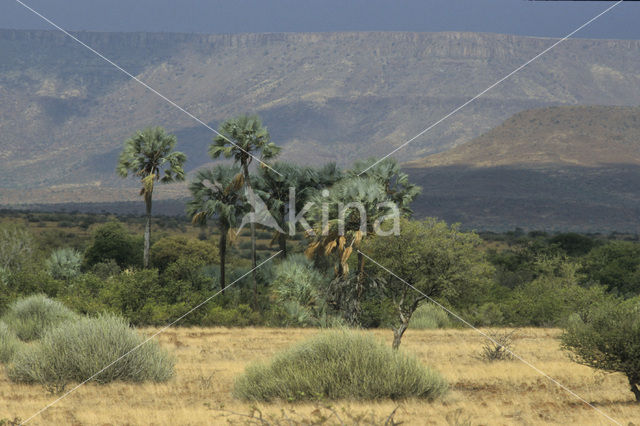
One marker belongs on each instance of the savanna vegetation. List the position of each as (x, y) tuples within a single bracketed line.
[(73, 285)]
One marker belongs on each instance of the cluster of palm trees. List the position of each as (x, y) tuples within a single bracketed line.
[(223, 194)]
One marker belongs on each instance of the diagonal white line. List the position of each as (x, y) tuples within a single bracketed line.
[(493, 85), (151, 89), (459, 318), (162, 330)]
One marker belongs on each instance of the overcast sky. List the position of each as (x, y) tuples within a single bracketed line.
[(546, 18)]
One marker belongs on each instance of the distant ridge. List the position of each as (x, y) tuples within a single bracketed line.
[(324, 96), (557, 168), (578, 135)]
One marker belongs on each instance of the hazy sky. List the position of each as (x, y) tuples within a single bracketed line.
[(547, 18)]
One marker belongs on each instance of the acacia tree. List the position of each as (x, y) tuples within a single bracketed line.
[(244, 138), (607, 337), (216, 194), (150, 155), (438, 260)]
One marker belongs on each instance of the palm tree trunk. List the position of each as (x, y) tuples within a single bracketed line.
[(254, 262), (147, 231), (282, 241), (222, 248)]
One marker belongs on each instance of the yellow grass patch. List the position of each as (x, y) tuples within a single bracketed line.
[(504, 392)]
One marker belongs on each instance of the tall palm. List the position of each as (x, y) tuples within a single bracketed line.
[(275, 188), (150, 155), (396, 182), (244, 138), (216, 194)]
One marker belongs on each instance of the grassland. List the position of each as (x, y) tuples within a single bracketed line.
[(505, 392)]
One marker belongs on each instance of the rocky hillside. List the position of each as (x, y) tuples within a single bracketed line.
[(565, 168), (334, 96), (580, 136)]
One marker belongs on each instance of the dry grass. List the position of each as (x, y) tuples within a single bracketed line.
[(505, 392)]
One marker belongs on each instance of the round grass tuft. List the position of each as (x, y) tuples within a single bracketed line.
[(75, 351), (339, 365), (31, 317)]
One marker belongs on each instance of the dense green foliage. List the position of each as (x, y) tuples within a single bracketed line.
[(113, 241), (340, 365), (79, 350), (30, 318), (607, 337)]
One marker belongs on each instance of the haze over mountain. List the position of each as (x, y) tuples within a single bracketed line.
[(324, 96)]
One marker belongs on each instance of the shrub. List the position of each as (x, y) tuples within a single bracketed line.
[(16, 247), (31, 317), (295, 279), (429, 316), (8, 343), (339, 365), (240, 316), (74, 352), (64, 263), (607, 337), (548, 301), (167, 250), (500, 348), (112, 241)]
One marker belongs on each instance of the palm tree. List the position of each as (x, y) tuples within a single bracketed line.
[(216, 194), (396, 182), (245, 138), (341, 235), (273, 185), (150, 155)]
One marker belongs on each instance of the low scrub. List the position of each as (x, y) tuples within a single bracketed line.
[(339, 365), (75, 351), (429, 316), (31, 317), (9, 343)]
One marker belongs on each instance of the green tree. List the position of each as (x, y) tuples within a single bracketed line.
[(150, 155), (438, 260), (111, 241), (607, 337), (168, 250), (244, 138), (615, 265), (216, 196)]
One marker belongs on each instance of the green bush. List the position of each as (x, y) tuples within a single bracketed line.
[(74, 352), (429, 316), (607, 337), (168, 250), (295, 279), (64, 263), (31, 317), (9, 343), (113, 241), (549, 301), (240, 316), (339, 365)]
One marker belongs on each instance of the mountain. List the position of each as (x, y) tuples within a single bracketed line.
[(324, 96), (580, 136), (556, 168)]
